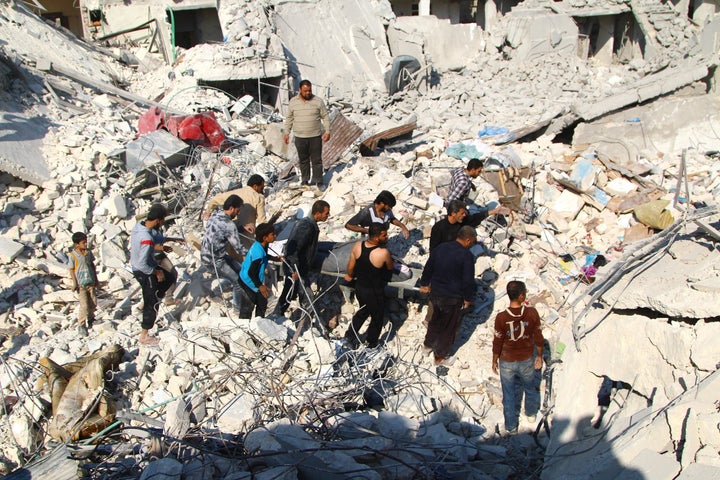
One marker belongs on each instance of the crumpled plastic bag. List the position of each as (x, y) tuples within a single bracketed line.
[(653, 214)]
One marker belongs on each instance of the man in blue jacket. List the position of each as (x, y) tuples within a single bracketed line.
[(252, 272)]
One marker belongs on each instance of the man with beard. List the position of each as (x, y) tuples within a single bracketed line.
[(309, 121), (370, 265)]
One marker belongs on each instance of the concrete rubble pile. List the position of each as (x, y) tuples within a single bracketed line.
[(631, 370)]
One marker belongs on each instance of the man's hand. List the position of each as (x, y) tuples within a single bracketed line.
[(405, 232), (75, 287), (466, 304), (424, 289), (287, 139), (160, 275), (325, 137), (499, 210), (348, 278), (495, 366), (264, 291), (295, 276), (538, 362)]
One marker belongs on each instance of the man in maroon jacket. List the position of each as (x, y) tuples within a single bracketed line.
[(517, 331)]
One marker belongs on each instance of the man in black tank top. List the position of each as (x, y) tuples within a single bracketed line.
[(371, 266)]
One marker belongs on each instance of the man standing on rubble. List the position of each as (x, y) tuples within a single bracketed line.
[(449, 278), (221, 250), (517, 331), (371, 266), (300, 251), (309, 121), (446, 230), (252, 274), (379, 212), (153, 280)]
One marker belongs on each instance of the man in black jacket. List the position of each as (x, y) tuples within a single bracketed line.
[(449, 278), (300, 251), (446, 230)]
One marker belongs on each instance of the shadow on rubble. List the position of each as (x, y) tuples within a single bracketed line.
[(586, 453), (399, 246), (476, 315), (12, 293), (19, 128)]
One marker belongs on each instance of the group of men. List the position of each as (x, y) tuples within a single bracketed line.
[(447, 278)]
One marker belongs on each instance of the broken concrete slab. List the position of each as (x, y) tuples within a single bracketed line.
[(155, 147), (21, 145), (9, 249)]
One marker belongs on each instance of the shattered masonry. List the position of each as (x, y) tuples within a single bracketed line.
[(598, 124)]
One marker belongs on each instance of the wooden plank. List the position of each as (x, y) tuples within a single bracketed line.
[(709, 229)]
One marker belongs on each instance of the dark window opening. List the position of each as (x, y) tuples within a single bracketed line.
[(96, 17), (267, 93), (57, 18), (193, 27), (415, 9)]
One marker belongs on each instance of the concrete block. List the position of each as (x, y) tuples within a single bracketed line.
[(650, 464), (116, 206), (163, 469), (268, 330), (9, 249), (154, 147), (568, 205)]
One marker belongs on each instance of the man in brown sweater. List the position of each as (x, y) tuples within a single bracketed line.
[(517, 331)]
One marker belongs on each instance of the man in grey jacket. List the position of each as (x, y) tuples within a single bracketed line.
[(153, 280), (300, 251)]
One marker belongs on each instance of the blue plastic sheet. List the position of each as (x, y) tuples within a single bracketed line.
[(488, 130)]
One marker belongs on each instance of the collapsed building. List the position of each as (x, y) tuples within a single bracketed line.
[(588, 111)]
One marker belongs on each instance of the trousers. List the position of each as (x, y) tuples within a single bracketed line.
[(444, 324), (152, 292), (310, 155), (372, 304)]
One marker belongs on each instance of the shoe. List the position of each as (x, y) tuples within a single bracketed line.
[(426, 349), (82, 330), (149, 341), (512, 431), (532, 418), (444, 361)]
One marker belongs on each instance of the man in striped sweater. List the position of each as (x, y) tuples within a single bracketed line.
[(309, 121)]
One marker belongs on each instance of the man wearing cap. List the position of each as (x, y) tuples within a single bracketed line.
[(308, 119), (252, 273), (221, 233), (153, 280)]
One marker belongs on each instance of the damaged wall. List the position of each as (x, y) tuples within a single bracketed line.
[(336, 43), (446, 46)]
